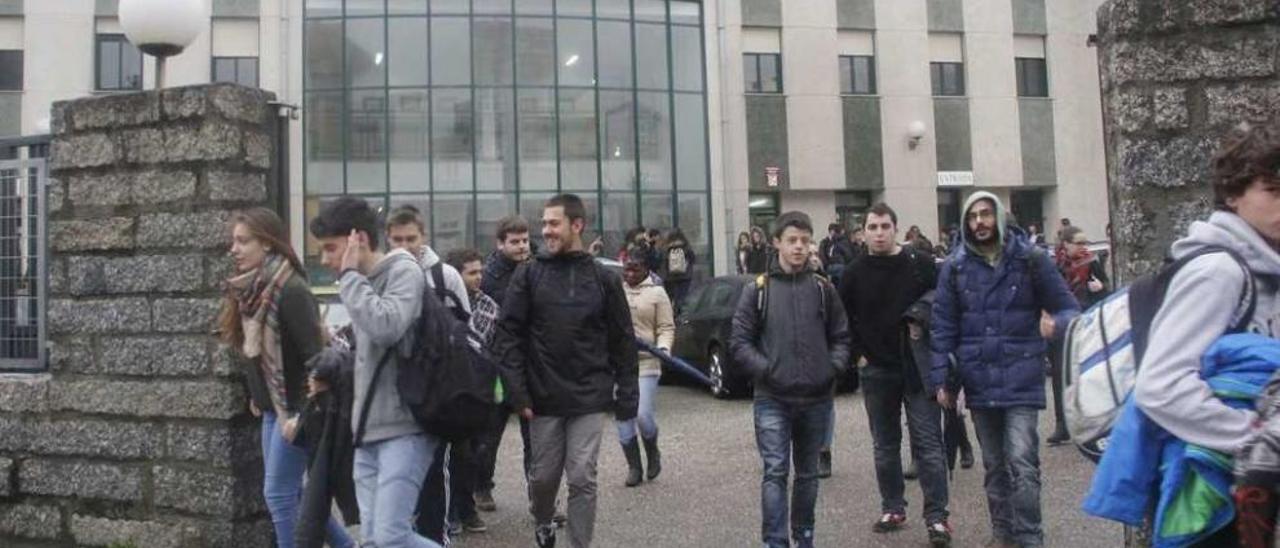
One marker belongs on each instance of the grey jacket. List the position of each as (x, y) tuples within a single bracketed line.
[(796, 351), (1198, 308), (383, 308)]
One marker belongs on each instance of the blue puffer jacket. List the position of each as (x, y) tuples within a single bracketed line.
[(989, 318)]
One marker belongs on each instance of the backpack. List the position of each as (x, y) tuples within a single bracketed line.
[(1105, 344), (446, 383), (446, 296), (677, 263), (762, 295)]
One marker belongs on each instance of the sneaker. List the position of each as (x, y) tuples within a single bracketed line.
[(966, 459), (824, 464), (1059, 437), (940, 535), (889, 522), (484, 501), (560, 518), (474, 525), (545, 536)]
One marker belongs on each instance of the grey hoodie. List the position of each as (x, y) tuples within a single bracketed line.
[(383, 308), (1199, 307)]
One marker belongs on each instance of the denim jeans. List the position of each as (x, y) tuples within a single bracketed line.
[(388, 476), (644, 415), (284, 464), (884, 398), (784, 429), (1011, 456), (568, 446)]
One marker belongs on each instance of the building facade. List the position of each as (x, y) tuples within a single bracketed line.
[(707, 116)]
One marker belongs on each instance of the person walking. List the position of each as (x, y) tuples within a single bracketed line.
[(878, 292), (989, 314), (677, 262), (383, 294), (790, 333), (568, 356), (742, 250), (654, 323), (270, 316), (758, 253), (1087, 279)]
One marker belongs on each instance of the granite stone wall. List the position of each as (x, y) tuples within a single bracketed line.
[(139, 433), (1176, 76)]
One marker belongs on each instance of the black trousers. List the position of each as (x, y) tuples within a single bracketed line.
[(486, 448), (435, 507)]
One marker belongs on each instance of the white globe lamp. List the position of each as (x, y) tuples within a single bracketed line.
[(163, 28), (915, 132)]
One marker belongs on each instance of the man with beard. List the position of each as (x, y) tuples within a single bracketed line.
[(989, 314), (568, 355)]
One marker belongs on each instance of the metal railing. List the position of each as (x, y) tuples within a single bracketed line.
[(23, 253)]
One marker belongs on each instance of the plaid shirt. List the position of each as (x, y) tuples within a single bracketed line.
[(484, 318)]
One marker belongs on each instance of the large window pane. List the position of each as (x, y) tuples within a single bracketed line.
[(535, 52), (407, 7), (695, 222), (324, 138), (364, 7), (533, 7), (578, 139), (686, 51), (491, 208), (573, 7), (493, 51), (366, 141), (451, 139), (537, 118), (410, 140), (495, 140), (770, 73), (615, 58), (618, 137), (619, 9), (651, 10), (324, 54), (651, 67), (531, 206), (247, 71), (408, 44), (691, 142), (577, 52), (366, 60), (654, 123), (450, 51), (683, 11), (1033, 77), (461, 7), (320, 8), (618, 214), (751, 73), (492, 6), (224, 69), (451, 216), (656, 211), (108, 63)]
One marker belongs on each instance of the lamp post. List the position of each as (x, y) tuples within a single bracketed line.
[(163, 28)]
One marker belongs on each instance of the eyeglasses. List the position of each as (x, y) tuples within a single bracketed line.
[(984, 214)]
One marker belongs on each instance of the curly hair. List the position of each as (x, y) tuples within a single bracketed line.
[(1249, 151)]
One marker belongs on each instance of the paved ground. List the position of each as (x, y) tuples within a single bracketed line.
[(708, 494)]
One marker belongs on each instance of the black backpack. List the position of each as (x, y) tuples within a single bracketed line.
[(447, 382)]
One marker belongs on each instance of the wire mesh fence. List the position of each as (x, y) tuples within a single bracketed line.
[(23, 264)]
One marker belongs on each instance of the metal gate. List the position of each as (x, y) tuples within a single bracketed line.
[(23, 263)]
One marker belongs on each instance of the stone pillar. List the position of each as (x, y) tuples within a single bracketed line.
[(139, 432), (1176, 76)]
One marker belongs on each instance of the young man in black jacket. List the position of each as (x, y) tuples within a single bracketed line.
[(877, 290), (569, 357), (791, 334)]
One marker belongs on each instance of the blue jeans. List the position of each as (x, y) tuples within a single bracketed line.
[(1011, 456), (644, 414), (284, 464), (885, 397), (782, 430), (388, 476)]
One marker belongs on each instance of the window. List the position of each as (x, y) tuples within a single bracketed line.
[(948, 79), (119, 64), (237, 70), (1033, 77), (10, 70), (857, 75), (763, 72)]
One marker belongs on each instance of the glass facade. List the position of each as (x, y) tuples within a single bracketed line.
[(473, 110)]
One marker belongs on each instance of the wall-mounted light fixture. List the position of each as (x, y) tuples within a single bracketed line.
[(915, 132)]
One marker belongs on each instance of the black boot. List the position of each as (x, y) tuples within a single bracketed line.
[(1060, 436), (634, 473), (654, 457), (824, 463)]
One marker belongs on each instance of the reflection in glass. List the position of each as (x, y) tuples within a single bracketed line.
[(324, 54), (691, 142), (653, 122), (615, 58), (656, 211), (576, 51), (491, 6), (459, 7), (686, 53), (366, 141), (491, 208), (535, 52), (321, 8), (531, 210), (495, 140), (618, 215), (651, 64), (323, 111), (364, 7), (617, 9), (451, 216), (537, 118), (407, 7), (493, 51), (533, 7), (366, 60), (577, 139), (651, 10), (695, 218), (410, 140), (451, 139), (450, 51), (407, 59), (684, 11), (618, 137), (581, 8)]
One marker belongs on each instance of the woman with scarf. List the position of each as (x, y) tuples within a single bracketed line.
[(1087, 279), (270, 316)]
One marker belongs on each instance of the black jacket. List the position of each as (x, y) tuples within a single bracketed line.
[(917, 355), (796, 351), (326, 434), (876, 291), (565, 339), (497, 276)]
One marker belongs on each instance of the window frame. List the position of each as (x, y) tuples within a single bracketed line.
[(120, 40), (871, 86), (21, 57), (937, 79), (759, 77), (1021, 74), (236, 60)]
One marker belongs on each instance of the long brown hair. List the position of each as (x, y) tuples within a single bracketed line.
[(265, 226)]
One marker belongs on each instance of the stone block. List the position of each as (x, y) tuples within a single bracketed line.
[(31, 521), (95, 531), (158, 187), (205, 230), (1171, 163), (153, 274), (71, 355), (6, 477), (14, 432), (80, 479), (95, 438), (217, 270), (1131, 110), (1219, 12), (96, 316), (57, 276), (258, 149), (209, 141), (57, 196), (241, 534), (1230, 55), (79, 151), (225, 186), (114, 111), (239, 103), (152, 398), (219, 445), (24, 393), (114, 233), (1170, 108), (185, 315), (1231, 104), (59, 120), (184, 102), (144, 146), (153, 356), (85, 275), (218, 491)]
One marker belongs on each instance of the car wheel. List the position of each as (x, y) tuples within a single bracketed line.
[(715, 370)]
